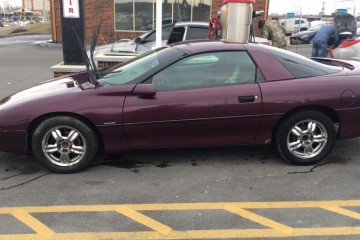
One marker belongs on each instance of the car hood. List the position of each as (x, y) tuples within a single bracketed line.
[(58, 86), (303, 33), (124, 46), (130, 46)]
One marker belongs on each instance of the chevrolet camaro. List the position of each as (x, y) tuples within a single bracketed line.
[(200, 93)]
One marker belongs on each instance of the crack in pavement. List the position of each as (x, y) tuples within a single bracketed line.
[(312, 169), (23, 183), (6, 178)]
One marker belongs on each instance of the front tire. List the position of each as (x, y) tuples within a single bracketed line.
[(64, 144), (305, 138)]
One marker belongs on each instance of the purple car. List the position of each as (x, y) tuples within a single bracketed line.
[(201, 93)]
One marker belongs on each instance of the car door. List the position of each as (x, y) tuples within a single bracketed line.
[(206, 99)]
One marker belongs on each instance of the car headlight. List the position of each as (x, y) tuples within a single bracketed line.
[(304, 36)]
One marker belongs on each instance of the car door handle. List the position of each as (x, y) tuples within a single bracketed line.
[(247, 98)]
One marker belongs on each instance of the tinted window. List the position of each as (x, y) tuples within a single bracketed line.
[(197, 33), (176, 35), (207, 70), (300, 66), (165, 35)]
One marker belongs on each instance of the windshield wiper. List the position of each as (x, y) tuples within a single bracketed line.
[(90, 63), (92, 49)]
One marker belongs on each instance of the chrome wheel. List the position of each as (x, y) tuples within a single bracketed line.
[(64, 146), (307, 139)]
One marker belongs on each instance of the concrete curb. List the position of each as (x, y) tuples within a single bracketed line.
[(50, 44), (20, 34)]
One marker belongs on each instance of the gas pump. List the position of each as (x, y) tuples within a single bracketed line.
[(235, 20)]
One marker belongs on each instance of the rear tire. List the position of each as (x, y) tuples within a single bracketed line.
[(305, 137), (64, 144)]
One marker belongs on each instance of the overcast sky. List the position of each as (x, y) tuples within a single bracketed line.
[(16, 3), (284, 6), (311, 6)]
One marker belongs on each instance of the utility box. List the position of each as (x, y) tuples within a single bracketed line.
[(236, 18)]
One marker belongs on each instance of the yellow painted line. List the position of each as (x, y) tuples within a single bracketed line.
[(259, 219), (187, 206), (343, 211), (196, 234), (161, 231), (33, 223), (145, 220)]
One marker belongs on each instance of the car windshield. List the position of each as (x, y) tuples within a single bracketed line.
[(128, 72), (315, 27)]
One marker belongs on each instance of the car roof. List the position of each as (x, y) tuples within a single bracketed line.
[(199, 46), (202, 24)]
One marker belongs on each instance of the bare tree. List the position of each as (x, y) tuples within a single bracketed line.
[(7, 8)]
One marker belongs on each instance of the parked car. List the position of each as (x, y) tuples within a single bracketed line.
[(305, 37), (171, 33), (301, 24), (346, 25), (294, 25), (196, 93), (358, 21)]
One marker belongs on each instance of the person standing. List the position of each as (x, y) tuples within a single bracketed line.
[(274, 31), (322, 37)]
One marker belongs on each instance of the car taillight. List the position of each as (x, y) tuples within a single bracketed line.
[(349, 43)]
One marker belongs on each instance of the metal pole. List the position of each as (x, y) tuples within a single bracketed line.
[(158, 23)]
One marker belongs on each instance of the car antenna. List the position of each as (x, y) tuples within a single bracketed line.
[(93, 45), (92, 76)]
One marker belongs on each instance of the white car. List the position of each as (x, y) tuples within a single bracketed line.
[(171, 33), (294, 25)]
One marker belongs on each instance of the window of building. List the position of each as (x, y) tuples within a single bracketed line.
[(140, 15)]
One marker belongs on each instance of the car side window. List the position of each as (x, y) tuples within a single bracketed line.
[(165, 35), (197, 33), (207, 70), (176, 35)]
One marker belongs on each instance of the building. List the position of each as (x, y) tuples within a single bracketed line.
[(130, 18), (40, 8)]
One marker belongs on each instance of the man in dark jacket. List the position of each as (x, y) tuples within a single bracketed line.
[(322, 37)]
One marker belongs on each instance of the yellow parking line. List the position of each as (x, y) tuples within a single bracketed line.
[(187, 206), (259, 219), (343, 211), (196, 234), (161, 231), (33, 223), (149, 222)]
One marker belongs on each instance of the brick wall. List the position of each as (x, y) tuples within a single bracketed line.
[(97, 9)]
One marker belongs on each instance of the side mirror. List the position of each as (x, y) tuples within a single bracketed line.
[(144, 90), (138, 40)]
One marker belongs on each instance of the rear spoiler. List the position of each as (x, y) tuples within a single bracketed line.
[(333, 62)]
